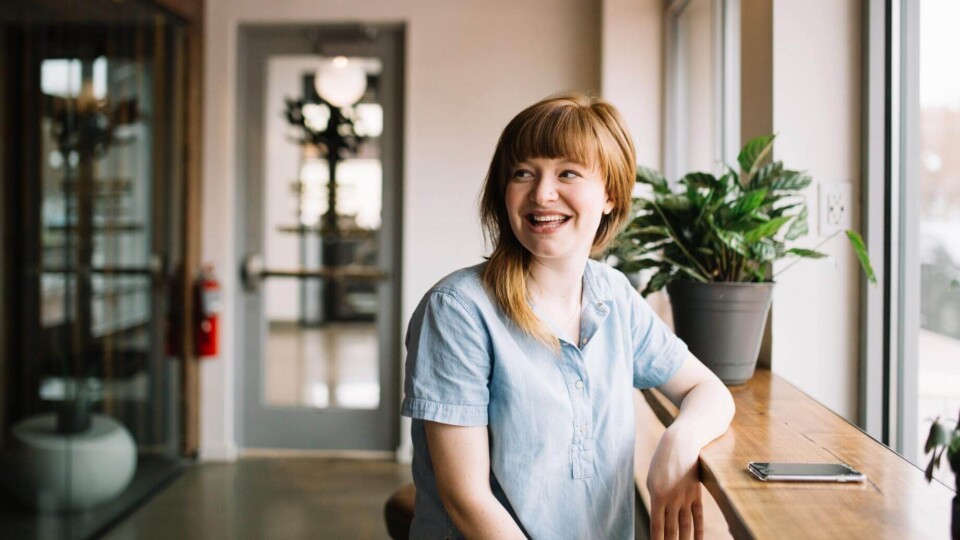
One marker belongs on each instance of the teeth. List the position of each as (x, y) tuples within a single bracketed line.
[(549, 218)]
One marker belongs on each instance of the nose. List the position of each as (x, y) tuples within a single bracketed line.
[(544, 190)]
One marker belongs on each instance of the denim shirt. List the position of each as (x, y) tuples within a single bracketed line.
[(561, 426)]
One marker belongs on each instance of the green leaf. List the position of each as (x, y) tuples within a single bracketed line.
[(649, 176), (637, 265), (658, 280), (750, 201), (658, 230), (733, 240), (954, 448), (938, 436), (700, 179), (727, 180), (766, 174), (781, 210), (753, 154), (806, 253), (861, 250), (791, 181), (767, 229), (673, 202), (764, 250), (799, 226), (928, 472)]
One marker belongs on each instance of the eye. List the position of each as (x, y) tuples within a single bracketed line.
[(522, 174), (570, 173)]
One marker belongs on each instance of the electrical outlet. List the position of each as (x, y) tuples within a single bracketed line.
[(835, 211)]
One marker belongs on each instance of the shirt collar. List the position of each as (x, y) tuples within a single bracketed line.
[(596, 290)]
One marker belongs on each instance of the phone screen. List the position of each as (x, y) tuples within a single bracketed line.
[(801, 471)]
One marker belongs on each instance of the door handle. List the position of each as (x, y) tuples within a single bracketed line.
[(253, 271)]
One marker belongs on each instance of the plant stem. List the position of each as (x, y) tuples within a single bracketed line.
[(676, 239), (686, 270)]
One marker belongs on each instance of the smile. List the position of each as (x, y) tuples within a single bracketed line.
[(546, 222)]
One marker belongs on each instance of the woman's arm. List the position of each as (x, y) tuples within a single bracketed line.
[(461, 465), (706, 409)]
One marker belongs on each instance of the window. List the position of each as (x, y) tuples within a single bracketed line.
[(912, 89)]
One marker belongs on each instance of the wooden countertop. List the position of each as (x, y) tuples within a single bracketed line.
[(777, 422)]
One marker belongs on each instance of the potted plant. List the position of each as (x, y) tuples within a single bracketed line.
[(940, 441), (712, 243)]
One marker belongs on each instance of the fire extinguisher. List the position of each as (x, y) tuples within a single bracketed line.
[(208, 319)]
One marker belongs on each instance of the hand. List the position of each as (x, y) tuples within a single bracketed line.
[(676, 510)]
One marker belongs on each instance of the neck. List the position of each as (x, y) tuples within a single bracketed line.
[(557, 280)]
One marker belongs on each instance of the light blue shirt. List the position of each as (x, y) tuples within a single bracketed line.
[(561, 427)]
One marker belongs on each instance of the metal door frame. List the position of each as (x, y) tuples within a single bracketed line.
[(309, 428)]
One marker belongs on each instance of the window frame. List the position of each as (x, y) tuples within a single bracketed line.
[(890, 315)]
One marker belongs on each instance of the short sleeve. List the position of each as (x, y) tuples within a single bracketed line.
[(658, 353), (448, 363)]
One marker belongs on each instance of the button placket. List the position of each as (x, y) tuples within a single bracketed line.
[(581, 448)]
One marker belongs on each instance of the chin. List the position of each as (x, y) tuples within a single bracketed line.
[(545, 252)]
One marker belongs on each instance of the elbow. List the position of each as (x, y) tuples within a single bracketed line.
[(462, 508), (729, 406)]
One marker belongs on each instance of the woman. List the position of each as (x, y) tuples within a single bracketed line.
[(520, 371)]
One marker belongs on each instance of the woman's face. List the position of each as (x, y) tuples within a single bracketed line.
[(555, 207)]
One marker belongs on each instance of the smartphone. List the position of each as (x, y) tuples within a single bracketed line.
[(805, 472)]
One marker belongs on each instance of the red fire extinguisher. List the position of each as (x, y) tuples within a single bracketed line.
[(208, 320)]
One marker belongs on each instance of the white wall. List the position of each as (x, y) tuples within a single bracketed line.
[(632, 71), (470, 66), (816, 106)]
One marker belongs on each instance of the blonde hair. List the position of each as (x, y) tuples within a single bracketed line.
[(573, 126)]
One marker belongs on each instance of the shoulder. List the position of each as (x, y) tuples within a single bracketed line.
[(466, 282), (463, 288)]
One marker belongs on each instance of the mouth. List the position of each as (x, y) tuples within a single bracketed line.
[(546, 222)]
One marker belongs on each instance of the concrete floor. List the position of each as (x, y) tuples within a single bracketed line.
[(276, 498)]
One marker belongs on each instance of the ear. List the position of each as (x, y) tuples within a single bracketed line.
[(608, 207)]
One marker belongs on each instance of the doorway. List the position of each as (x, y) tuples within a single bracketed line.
[(320, 206)]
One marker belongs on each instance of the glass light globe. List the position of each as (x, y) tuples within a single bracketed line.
[(340, 82)]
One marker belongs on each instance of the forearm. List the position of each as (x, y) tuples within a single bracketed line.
[(705, 414), (482, 516)]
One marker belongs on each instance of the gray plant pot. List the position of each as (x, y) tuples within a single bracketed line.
[(722, 323)]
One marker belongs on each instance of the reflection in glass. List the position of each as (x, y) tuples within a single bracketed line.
[(939, 180), (91, 397), (322, 347)]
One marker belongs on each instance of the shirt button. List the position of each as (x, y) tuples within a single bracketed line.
[(583, 341), (583, 429), (580, 385)]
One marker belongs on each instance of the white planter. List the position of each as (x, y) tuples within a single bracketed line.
[(55, 472)]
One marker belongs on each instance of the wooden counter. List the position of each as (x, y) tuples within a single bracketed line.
[(777, 422)]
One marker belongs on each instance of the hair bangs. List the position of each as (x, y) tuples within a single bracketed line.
[(564, 131)]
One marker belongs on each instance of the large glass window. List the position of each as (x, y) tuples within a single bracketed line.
[(935, 175)]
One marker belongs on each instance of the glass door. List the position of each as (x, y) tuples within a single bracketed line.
[(93, 193), (321, 207)]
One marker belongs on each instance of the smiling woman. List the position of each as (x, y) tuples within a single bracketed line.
[(520, 371), (578, 147)]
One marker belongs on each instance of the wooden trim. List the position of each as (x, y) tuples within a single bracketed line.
[(192, 13), (777, 422), (191, 10), (193, 157)]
